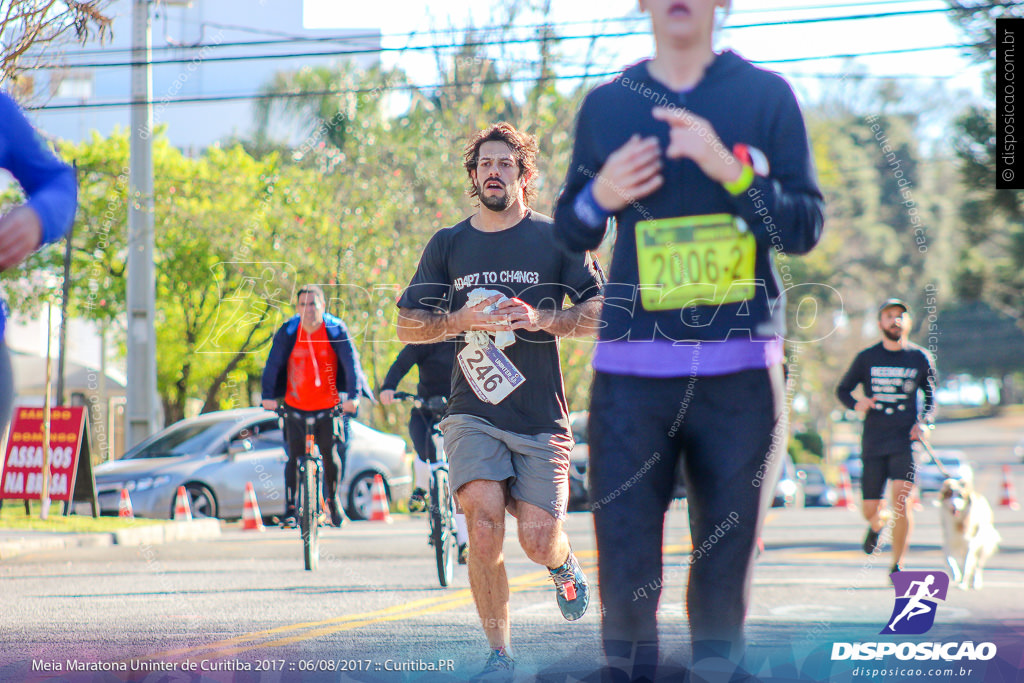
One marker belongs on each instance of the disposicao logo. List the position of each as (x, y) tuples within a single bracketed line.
[(917, 594)]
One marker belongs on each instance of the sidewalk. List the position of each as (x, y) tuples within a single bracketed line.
[(18, 542)]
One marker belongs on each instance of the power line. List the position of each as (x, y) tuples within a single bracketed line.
[(339, 53), (454, 84), (333, 91), (874, 53), (481, 43), (291, 38)]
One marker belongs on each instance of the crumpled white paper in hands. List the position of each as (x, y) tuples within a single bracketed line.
[(481, 337)]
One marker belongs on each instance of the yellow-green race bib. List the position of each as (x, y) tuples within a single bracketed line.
[(694, 261)]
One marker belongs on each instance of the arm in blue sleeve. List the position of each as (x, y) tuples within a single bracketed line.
[(48, 182), (786, 208), (571, 230), (273, 367)]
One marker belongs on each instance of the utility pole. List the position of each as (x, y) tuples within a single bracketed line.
[(142, 408), (62, 339)]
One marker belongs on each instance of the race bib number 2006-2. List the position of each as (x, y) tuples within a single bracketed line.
[(489, 372), (694, 260)]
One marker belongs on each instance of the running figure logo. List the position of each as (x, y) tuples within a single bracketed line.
[(916, 596)]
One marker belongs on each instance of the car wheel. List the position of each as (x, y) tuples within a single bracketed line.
[(360, 496), (201, 500)]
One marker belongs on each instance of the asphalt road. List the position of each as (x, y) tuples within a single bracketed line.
[(374, 611)]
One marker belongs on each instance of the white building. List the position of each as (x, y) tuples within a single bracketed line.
[(227, 49)]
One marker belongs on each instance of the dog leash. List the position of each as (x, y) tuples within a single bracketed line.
[(942, 470)]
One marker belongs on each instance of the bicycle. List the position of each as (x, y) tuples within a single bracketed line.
[(442, 500), (309, 508)]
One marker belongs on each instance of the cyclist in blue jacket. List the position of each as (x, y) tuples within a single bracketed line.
[(311, 362)]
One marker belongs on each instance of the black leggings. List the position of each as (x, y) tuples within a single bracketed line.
[(419, 430), (727, 433), (331, 450)]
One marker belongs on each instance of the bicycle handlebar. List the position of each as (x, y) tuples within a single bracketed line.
[(283, 410), (435, 404)]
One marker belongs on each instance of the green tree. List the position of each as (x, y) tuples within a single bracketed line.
[(233, 234), (992, 260)]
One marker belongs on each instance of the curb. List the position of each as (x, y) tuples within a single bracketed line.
[(195, 530)]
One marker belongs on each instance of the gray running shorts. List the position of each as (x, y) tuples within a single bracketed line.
[(535, 465)]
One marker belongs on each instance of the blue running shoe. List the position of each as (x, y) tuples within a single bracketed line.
[(571, 588), (500, 668)]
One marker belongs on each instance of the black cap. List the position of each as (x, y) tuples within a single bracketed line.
[(893, 302)]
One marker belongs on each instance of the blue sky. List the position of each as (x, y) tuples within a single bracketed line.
[(766, 43)]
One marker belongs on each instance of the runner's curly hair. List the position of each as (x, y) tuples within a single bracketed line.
[(524, 151)]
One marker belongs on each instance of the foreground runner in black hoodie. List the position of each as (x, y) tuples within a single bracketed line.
[(703, 160)]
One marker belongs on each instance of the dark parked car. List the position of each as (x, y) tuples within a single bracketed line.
[(789, 491), (854, 467), (930, 478), (817, 491), (579, 460), (215, 454)]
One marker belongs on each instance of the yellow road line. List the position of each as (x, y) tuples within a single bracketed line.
[(306, 630), (293, 633)]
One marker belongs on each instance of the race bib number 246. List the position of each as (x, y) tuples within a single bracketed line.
[(489, 372)]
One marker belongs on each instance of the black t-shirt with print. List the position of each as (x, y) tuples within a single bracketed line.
[(521, 262), (893, 378)]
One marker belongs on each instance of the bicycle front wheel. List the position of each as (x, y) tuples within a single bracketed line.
[(309, 523), (442, 522)]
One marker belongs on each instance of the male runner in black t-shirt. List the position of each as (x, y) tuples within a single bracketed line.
[(890, 373), (507, 434)]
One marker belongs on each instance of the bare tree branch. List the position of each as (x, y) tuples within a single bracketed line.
[(37, 28)]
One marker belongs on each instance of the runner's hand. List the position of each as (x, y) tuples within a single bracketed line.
[(631, 172), (864, 405), (269, 404), (350, 407), (521, 315), (20, 234), (478, 318), (693, 137), (919, 432), (386, 396)]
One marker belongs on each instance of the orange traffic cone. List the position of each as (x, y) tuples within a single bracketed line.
[(124, 508), (182, 512), (379, 511), (252, 520), (1009, 499), (845, 490)]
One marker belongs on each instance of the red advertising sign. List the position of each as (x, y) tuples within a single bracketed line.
[(23, 461)]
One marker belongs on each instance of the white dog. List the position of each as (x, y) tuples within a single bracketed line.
[(969, 536)]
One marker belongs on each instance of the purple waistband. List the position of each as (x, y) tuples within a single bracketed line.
[(664, 358)]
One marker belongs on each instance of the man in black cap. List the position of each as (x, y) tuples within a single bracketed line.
[(890, 373)]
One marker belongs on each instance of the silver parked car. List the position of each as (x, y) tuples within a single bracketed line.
[(215, 454)]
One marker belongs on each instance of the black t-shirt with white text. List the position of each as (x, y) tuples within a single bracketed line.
[(521, 262), (893, 378)]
